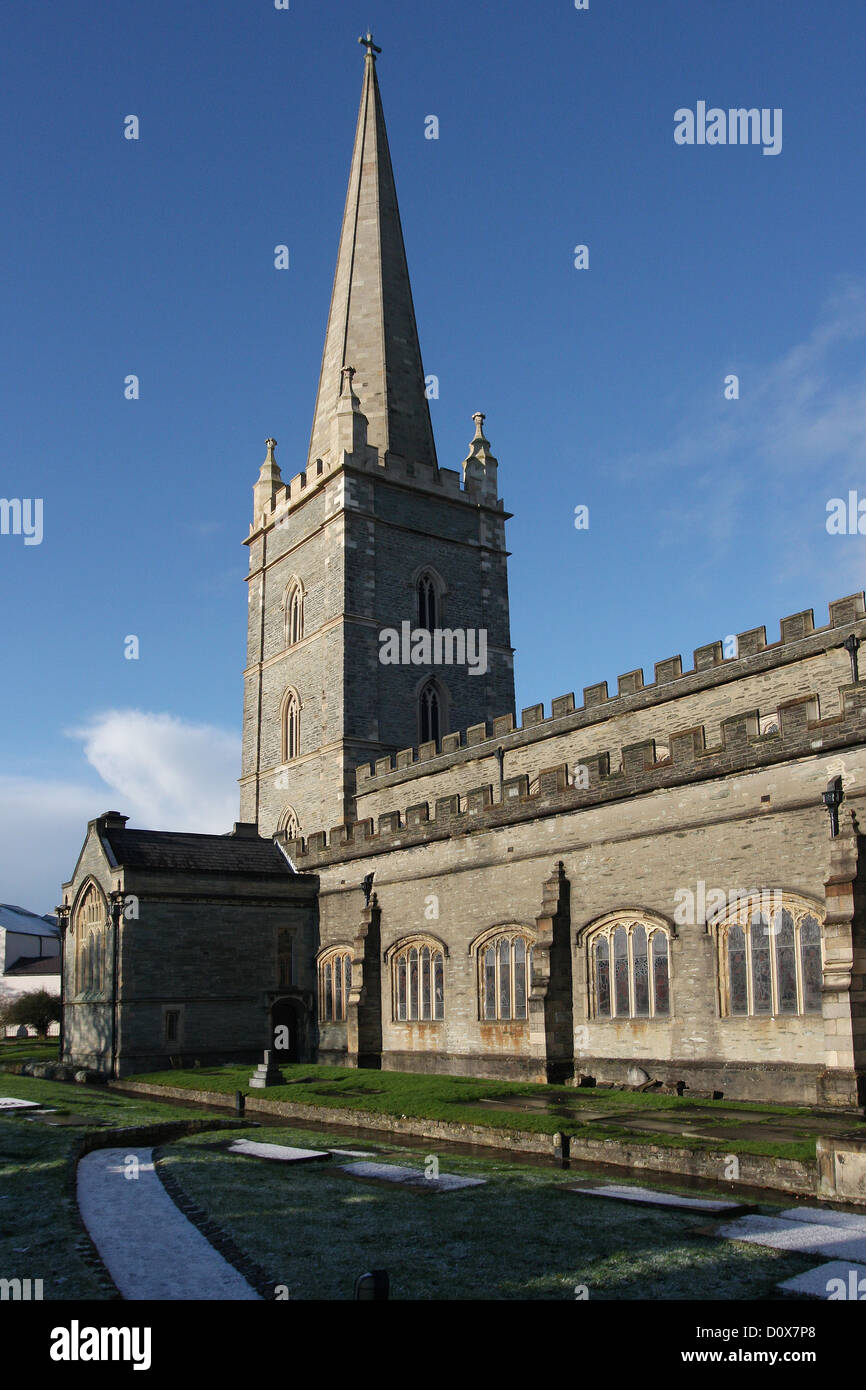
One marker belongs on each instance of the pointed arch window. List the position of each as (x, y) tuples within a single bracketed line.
[(428, 602), (418, 983), (290, 824), (291, 727), (90, 927), (294, 613), (769, 957), (430, 713), (335, 981), (504, 977), (629, 969)]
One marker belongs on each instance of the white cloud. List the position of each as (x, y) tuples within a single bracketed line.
[(164, 773), (168, 774)]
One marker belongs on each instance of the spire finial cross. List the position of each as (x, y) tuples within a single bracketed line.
[(367, 41)]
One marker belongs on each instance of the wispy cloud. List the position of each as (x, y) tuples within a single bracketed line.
[(796, 437)]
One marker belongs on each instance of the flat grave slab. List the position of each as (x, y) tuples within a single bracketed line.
[(833, 1242), (354, 1153), (817, 1283), (648, 1197), (278, 1153), (826, 1216), (410, 1177), (13, 1103)]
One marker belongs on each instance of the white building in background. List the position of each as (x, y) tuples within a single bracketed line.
[(29, 958)]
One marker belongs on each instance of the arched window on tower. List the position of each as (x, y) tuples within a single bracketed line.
[(290, 824), (428, 602), (294, 613), (291, 727), (430, 713)]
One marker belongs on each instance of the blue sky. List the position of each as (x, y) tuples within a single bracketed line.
[(602, 387)]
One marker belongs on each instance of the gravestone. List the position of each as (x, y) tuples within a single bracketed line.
[(267, 1073)]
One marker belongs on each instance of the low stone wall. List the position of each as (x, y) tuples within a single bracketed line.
[(842, 1168), (755, 1170)]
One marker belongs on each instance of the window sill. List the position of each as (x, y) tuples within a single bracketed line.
[(632, 1018)]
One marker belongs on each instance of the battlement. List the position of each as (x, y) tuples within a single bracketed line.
[(276, 500), (594, 781), (798, 638)]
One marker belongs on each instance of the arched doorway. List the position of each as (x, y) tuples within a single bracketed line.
[(286, 1030)]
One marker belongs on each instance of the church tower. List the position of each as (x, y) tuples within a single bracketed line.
[(378, 589)]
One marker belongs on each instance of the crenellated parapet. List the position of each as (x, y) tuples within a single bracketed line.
[(274, 500), (798, 640), (599, 779)]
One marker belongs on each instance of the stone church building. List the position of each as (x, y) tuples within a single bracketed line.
[(667, 876)]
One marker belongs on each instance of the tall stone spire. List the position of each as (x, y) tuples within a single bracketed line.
[(371, 324)]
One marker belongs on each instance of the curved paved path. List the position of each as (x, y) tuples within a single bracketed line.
[(149, 1248)]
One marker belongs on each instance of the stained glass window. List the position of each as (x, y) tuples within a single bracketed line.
[(520, 978), (602, 977), (490, 982), (737, 970), (338, 987), (631, 972), (772, 969), (401, 987), (438, 986), (418, 983), (786, 969), (335, 977), (661, 983), (641, 973), (90, 957), (762, 995), (810, 953), (620, 971), (425, 982), (505, 978)]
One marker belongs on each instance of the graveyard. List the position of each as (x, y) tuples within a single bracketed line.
[(300, 1210)]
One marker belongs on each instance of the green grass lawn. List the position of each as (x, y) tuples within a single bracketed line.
[(40, 1237), (314, 1230), (29, 1050), (454, 1099)]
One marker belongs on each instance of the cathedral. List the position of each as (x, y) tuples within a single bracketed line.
[(663, 882)]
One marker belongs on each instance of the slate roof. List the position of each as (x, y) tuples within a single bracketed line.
[(35, 965), (175, 851), (19, 919)]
